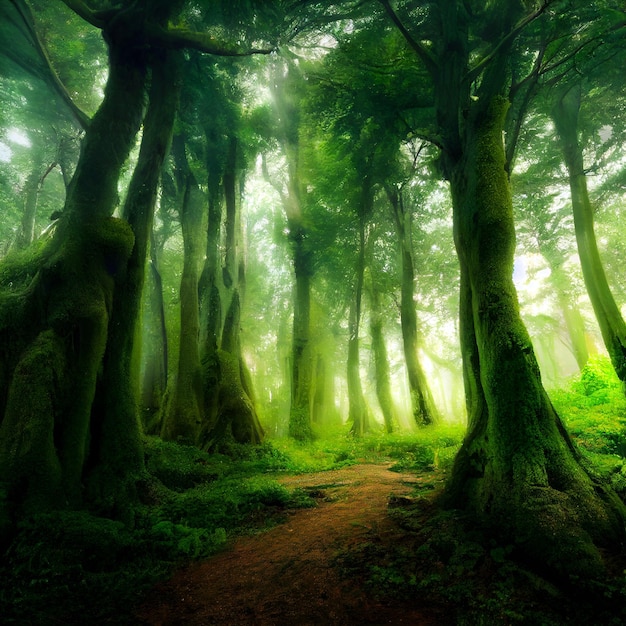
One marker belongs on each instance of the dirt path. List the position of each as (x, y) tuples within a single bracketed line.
[(286, 576)]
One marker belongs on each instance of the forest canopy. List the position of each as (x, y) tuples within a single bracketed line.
[(231, 222)]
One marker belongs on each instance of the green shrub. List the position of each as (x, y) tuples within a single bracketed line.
[(597, 377), (594, 408)]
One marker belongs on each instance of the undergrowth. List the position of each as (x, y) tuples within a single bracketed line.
[(440, 559), (437, 559), (63, 566), (593, 408)]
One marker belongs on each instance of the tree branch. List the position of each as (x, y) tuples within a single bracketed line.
[(178, 38), (49, 76), (512, 34), (81, 9), (422, 51)]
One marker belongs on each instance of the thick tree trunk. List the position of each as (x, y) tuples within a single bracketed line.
[(230, 412), (517, 468), (422, 404), (610, 320), (115, 448), (301, 365), (49, 379)]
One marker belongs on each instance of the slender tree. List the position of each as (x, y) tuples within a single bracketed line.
[(565, 115)]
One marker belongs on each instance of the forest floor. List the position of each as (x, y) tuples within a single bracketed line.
[(293, 574)]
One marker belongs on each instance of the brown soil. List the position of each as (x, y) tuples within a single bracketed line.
[(289, 575)]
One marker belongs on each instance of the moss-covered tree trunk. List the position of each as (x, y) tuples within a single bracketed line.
[(301, 365), (517, 468), (115, 447), (154, 348), (229, 397), (286, 94), (54, 334), (422, 404), (612, 325), (184, 413)]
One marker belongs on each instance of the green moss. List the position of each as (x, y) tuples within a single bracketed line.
[(30, 466)]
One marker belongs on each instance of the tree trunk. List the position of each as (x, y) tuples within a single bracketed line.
[(381, 362), (53, 350), (517, 468), (422, 404), (574, 322), (358, 413), (31, 191), (115, 448), (183, 420), (229, 399), (155, 349), (300, 410), (610, 320)]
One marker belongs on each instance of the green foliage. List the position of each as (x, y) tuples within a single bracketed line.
[(64, 565), (441, 559), (598, 381), (419, 451), (594, 408)]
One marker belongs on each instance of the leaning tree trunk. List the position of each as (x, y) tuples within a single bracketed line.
[(610, 320), (517, 468), (54, 335), (422, 404)]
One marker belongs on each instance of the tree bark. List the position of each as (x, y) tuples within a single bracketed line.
[(422, 404), (612, 325), (358, 413), (229, 398), (155, 349), (381, 362), (54, 348), (517, 467), (115, 449), (300, 410), (183, 420)]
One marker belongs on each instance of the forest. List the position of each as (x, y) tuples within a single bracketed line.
[(346, 270)]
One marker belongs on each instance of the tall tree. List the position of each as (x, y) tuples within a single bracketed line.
[(287, 90), (56, 334), (517, 467), (565, 115)]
